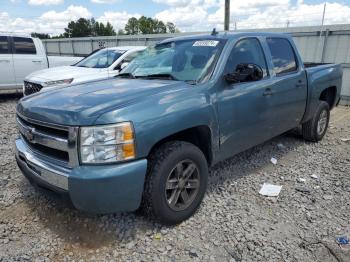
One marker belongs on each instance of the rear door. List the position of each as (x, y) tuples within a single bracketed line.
[(26, 58), (7, 75), (287, 99)]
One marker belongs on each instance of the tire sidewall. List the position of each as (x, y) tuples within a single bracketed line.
[(161, 208), (323, 106)]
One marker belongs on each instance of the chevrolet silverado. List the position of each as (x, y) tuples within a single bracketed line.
[(146, 138)]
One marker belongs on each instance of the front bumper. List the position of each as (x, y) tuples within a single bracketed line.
[(94, 188)]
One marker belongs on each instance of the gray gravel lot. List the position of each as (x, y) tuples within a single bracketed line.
[(234, 223)]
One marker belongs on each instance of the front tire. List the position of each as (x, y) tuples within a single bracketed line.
[(315, 129), (176, 182)]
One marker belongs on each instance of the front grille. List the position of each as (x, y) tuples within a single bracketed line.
[(47, 151), (46, 129), (49, 140), (31, 88)]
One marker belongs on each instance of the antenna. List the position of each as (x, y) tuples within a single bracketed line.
[(214, 32)]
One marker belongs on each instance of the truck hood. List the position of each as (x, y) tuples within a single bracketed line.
[(62, 72), (83, 104)]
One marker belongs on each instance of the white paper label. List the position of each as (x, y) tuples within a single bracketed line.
[(206, 43)]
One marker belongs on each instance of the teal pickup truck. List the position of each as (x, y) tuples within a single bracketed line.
[(146, 138)]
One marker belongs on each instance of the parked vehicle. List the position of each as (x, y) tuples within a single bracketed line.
[(21, 55), (147, 138), (103, 64)]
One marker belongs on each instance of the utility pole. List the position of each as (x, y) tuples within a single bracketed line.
[(288, 22), (322, 23), (324, 13), (227, 15)]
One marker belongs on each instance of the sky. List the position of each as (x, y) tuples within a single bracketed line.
[(52, 16)]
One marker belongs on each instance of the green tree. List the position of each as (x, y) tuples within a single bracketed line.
[(109, 30), (40, 35), (88, 27), (80, 28), (171, 28), (132, 26), (159, 27), (147, 25)]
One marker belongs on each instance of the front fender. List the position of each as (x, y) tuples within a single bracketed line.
[(157, 117)]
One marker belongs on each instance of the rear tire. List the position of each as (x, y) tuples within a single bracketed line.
[(176, 182), (314, 129)]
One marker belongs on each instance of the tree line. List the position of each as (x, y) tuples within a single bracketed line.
[(90, 27)]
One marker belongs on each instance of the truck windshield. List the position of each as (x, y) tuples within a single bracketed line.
[(185, 60), (100, 59)]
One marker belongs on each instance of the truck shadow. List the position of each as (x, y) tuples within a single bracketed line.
[(90, 232), (5, 96)]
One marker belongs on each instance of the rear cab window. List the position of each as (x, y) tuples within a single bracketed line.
[(4, 45), (24, 46), (283, 55)]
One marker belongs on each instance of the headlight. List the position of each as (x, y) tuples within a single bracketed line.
[(59, 82), (106, 144)]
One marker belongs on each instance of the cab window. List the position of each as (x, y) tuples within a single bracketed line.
[(24, 46), (247, 51), (4, 46), (283, 56)]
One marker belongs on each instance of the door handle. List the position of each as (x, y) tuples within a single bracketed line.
[(268, 92), (36, 61)]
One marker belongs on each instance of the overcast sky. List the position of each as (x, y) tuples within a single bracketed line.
[(51, 16)]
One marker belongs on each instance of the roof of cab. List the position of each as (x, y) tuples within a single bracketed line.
[(226, 35)]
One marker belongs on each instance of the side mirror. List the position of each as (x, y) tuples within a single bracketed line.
[(245, 73)]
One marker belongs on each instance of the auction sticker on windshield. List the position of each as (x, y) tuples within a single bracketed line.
[(206, 43)]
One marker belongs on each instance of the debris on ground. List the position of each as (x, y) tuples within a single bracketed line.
[(314, 176), (327, 197), (303, 190), (345, 139), (281, 146), (270, 190), (273, 160), (342, 240), (301, 180)]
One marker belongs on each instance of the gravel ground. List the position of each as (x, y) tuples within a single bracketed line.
[(234, 222)]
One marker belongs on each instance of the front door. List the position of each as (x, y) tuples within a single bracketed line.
[(7, 75), (244, 117)]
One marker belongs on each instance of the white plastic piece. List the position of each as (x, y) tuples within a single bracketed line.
[(273, 160), (314, 176), (301, 180), (270, 190)]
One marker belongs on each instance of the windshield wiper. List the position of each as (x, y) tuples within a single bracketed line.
[(165, 76), (126, 75)]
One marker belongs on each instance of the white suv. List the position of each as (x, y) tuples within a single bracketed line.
[(102, 64)]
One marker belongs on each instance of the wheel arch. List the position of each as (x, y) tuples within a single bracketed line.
[(329, 95), (200, 136)]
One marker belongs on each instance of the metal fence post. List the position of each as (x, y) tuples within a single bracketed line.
[(324, 46), (73, 47), (59, 47)]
